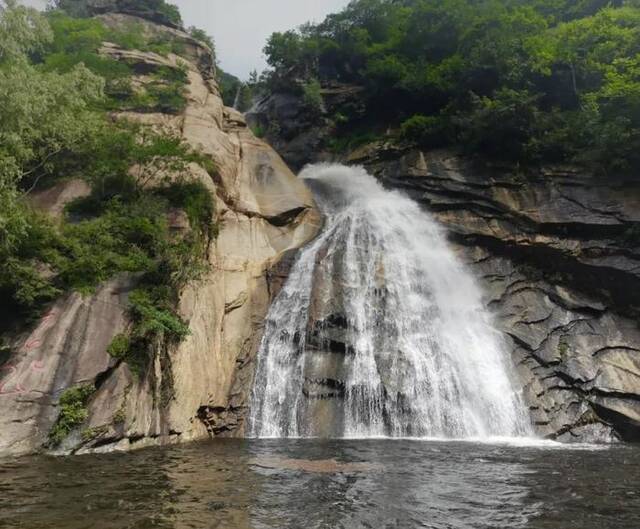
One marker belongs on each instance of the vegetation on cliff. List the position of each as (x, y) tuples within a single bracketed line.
[(155, 10), (531, 81), (73, 412), (57, 94)]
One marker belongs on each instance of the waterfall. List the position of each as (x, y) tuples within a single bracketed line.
[(236, 99), (380, 330)]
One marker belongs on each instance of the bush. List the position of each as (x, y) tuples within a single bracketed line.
[(154, 324), (170, 11), (194, 198), (501, 125), (258, 130), (73, 412), (312, 96), (152, 9), (350, 140), (25, 287), (119, 346), (152, 314), (424, 130), (165, 92), (202, 36), (126, 238), (78, 41)]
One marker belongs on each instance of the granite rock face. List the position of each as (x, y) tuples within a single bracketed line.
[(199, 388), (558, 255)]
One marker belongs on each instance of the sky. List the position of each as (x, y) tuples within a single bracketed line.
[(240, 28)]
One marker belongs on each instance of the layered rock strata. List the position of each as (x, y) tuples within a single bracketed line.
[(557, 253)]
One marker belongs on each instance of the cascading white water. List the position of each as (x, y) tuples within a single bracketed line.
[(379, 330)]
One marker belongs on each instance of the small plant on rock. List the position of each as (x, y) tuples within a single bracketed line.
[(73, 412)]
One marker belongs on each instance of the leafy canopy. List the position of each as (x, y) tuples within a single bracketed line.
[(539, 80)]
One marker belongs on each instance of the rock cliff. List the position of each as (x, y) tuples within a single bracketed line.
[(200, 387), (558, 257), (557, 252)]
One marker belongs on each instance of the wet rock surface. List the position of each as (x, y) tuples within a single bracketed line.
[(558, 259)]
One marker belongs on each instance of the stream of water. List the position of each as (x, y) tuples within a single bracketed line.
[(380, 330)]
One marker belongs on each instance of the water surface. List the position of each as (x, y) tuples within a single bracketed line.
[(330, 484)]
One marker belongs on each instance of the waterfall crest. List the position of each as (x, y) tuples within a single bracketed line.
[(380, 330)]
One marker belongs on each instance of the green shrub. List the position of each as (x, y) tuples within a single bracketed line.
[(152, 9), (563, 348), (25, 287), (258, 130), (73, 412), (120, 416), (165, 92), (154, 325), (340, 119), (168, 98), (228, 85), (89, 434), (119, 346), (424, 130), (153, 316), (312, 96), (351, 139), (170, 11), (194, 198), (126, 238), (202, 36)]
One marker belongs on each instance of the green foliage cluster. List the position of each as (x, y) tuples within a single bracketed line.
[(202, 36), (163, 92), (170, 11), (426, 130), (77, 41), (229, 86), (121, 227), (158, 10), (357, 137), (312, 96), (53, 126), (154, 324), (541, 80), (73, 412), (258, 130)]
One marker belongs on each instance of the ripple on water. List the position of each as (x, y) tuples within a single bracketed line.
[(328, 484)]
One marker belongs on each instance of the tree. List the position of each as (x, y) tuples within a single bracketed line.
[(22, 31), (42, 114), (283, 50)]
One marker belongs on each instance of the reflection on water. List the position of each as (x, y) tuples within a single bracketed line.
[(326, 484)]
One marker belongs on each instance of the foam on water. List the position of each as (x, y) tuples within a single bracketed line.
[(426, 361)]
